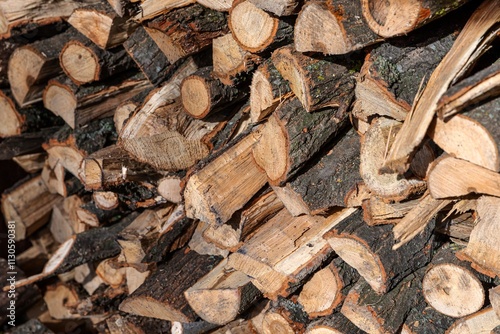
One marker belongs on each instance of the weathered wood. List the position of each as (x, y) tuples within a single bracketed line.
[(256, 30), (107, 30), (279, 7), (368, 249), (219, 5), (383, 314), (85, 62), (332, 27), (426, 321), (149, 9), (78, 105), (281, 256), (389, 20), (483, 321), (318, 83), (225, 185), (327, 288), (327, 182), (166, 301), (336, 323), (222, 295), (292, 136)]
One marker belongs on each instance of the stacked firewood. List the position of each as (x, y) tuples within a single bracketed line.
[(252, 166)]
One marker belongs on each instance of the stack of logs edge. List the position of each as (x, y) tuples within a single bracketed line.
[(251, 166)]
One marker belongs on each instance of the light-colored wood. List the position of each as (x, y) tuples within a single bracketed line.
[(480, 322), (170, 188), (377, 211), (105, 200), (319, 293), (280, 250), (200, 245), (452, 177), (31, 163), (152, 8), (225, 185), (494, 295), (278, 7), (59, 299), (472, 38), (220, 5)]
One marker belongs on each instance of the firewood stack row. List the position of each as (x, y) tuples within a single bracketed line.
[(253, 166)]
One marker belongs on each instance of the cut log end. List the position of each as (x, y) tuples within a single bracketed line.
[(60, 101), (320, 295), (11, 124), (447, 286), (24, 69), (274, 323), (392, 18), (148, 307), (79, 63), (195, 97), (261, 96)]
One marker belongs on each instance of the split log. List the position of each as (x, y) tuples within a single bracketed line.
[(279, 7), (458, 228), (125, 8), (166, 301), (231, 63), (374, 146), (483, 321), (284, 316), (26, 143), (448, 282), (232, 234), (280, 257), (452, 177), (203, 95), (332, 27), (149, 9), (105, 200), (472, 136), (256, 30), (170, 188), (368, 249), (391, 19), (21, 120), (185, 31), (292, 136), (327, 288), (336, 323), (467, 47), (474, 89), (31, 163), (494, 296), (383, 314), (64, 221), (267, 91), (200, 245), (107, 30), (219, 5), (90, 214), (221, 295), (426, 321), (327, 182), (311, 78), (225, 185), (377, 211), (27, 206), (41, 12), (127, 108), (90, 246), (32, 65), (78, 105), (85, 62), (482, 249)]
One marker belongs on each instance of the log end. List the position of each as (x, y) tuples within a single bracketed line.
[(61, 101), (195, 97), (24, 69), (394, 18), (79, 63)]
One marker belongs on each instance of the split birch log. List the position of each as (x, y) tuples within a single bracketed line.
[(292, 136), (185, 31), (377, 139), (27, 206), (256, 30), (85, 62), (426, 321), (225, 185), (448, 282), (279, 7), (284, 316), (336, 323), (78, 105), (149, 9), (32, 65), (327, 182), (467, 47), (166, 301), (93, 245), (311, 78), (482, 85), (267, 91), (13, 14), (452, 177), (394, 19), (231, 63), (20, 120), (483, 321), (232, 234), (327, 288), (203, 95), (332, 27), (368, 249), (482, 249), (222, 295), (383, 314), (279, 257), (107, 30)]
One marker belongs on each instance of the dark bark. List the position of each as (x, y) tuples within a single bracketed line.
[(337, 323), (427, 321), (25, 143)]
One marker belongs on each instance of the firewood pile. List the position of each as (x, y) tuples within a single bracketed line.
[(251, 166)]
